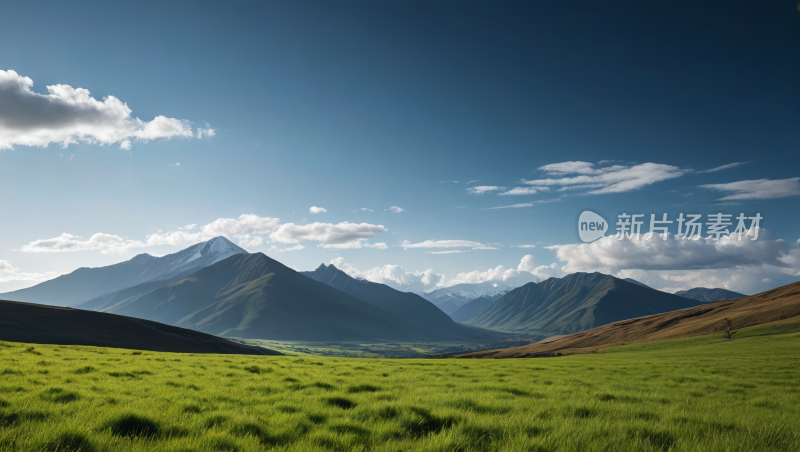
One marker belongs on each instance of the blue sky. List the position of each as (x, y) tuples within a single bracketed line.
[(369, 105)]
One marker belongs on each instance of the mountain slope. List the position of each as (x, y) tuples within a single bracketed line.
[(471, 310), (576, 302), (778, 307), (703, 294), (39, 324), (408, 306), (253, 296), (87, 283)]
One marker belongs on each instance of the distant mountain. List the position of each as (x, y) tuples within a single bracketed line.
[(254, 296), (703, 294), (38, 324), (449, 299), (87, 283), (470, 310), (410, 307), (576, 302), (779, 308)]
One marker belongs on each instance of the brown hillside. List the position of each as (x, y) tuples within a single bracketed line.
[(776, 304)]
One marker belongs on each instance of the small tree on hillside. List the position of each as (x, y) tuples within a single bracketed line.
[(727, 327)]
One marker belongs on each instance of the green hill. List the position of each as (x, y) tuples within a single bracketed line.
[(574, 303), (38, 324)]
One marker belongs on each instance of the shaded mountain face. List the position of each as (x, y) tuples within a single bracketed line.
[(779, 308), (450, 299), (412, 308), (38, 324), (253, 296), (576, 302), (88, 283), (703, 294), (470, 310)]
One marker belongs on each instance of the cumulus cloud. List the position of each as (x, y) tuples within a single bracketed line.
[(446, 252), (442, 244), (395, 209), (757, 189), (315, 210), (481, 189), (105, 243), (394, 276), (610, 179), (70, 115), (333, 236), (526, 246), (240, 228), (10, 273), (723, 167), (674, 264), (428, 280)]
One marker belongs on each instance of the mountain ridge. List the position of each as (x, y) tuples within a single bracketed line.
[(576, 302), (88, 283)]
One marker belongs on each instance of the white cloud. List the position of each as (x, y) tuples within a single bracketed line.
[(524, 204), (297, 247), (175, 164), (208, 132), (757, 189), (723, 167), (241, 228), (481, 189), (105, 243), (366, 209), (396, 209), (473, 181), (354, 245), (70, 115), (612, 179), (253, 242), (428, 280), (446, 252), (333, 236), (315, 210), (526, 246), (524, 191), (442, 244), (681, 264), (394, 276), (10, 273)]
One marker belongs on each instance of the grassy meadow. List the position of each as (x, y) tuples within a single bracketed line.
[(703, 394)]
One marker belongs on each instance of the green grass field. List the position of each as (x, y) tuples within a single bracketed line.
[(703, 394)]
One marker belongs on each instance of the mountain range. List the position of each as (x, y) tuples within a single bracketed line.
[(474, 307), (703, 294), (450, 299), (256, 297), (409, 306), (576, 302), (149, 271), (778, 309)]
